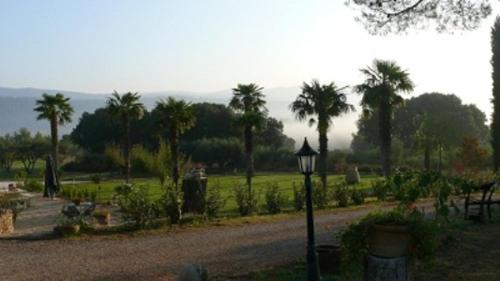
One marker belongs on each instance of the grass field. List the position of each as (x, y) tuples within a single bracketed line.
[(225, 184)]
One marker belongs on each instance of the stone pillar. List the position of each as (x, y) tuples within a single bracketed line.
[(6, 221), (386, 269)]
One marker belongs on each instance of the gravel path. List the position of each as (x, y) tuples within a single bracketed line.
[(224, 250)]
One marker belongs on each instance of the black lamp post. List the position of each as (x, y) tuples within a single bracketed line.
[(307, 159)]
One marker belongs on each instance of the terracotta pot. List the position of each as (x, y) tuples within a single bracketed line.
[(329, 257), (68, 229), (389, 241), (103, 219), (77, 201)]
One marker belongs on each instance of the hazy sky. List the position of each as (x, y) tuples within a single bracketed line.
[(211, 45)]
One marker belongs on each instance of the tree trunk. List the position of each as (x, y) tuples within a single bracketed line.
[(55, 143), (249, 156), (323, 157), (385, 137), (174, 150), (126, 148), (440, 155), (427, 157)]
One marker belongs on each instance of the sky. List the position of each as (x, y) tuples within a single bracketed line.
[(211, 45)]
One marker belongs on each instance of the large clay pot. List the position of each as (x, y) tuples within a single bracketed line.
[(6, 221), (329, 257), (104, 219), (389, 241), (68, 229)]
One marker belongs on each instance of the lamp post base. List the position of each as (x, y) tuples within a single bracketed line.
[(313, 273)]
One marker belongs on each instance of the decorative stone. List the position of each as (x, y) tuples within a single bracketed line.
[(386, 269), (6, 221), (352, 175), (193, 272)]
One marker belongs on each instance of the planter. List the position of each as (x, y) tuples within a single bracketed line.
[(389, 241), (77, 201), (329, 257), (67, 229), (6, 221), (103, 219)]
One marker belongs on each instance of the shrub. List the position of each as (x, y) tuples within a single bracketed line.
[(274, 198), (114, 155), (299, 197), (380, 189), (96, 178), (404, 188), (90, 163), (358, 196), (341, 194), (135, 204), (320, 195), (245, 199), (213, 201), (33, 185), (21, 179), (141, 160), (171, 203)]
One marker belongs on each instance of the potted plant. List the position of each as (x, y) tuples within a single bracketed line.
[(329, 257), (77, 201), (68, 226), (403, 231), (103, 216)]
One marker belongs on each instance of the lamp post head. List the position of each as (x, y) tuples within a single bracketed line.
[(307, 158)]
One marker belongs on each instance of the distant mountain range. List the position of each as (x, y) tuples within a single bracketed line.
[(16, 109)]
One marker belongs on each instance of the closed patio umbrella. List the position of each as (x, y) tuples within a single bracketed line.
[(51, 186)]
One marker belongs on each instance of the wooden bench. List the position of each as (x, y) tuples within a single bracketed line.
[(486, 200)]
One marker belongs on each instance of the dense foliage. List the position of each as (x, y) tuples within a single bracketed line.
[(426, 129), (213, 140)]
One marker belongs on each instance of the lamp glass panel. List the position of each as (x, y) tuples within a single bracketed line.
[(313, 164), (305, 164), (301, 167)]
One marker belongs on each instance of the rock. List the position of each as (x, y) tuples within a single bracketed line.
[(193, 272), (6, 221), (352, 175)]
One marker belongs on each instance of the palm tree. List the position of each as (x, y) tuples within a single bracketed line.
[(248, 101), (57, 109), (176, 116), (320, 103), (126, 107), (384, 80)]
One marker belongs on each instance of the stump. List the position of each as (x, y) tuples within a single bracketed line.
[(194, 189), (386, 269), (6, 221), (352, 176)]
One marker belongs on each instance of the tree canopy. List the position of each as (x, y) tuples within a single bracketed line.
[(438, 117), (396, 16)]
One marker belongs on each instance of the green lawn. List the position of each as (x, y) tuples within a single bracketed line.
[(18, 167), (225, 184)]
